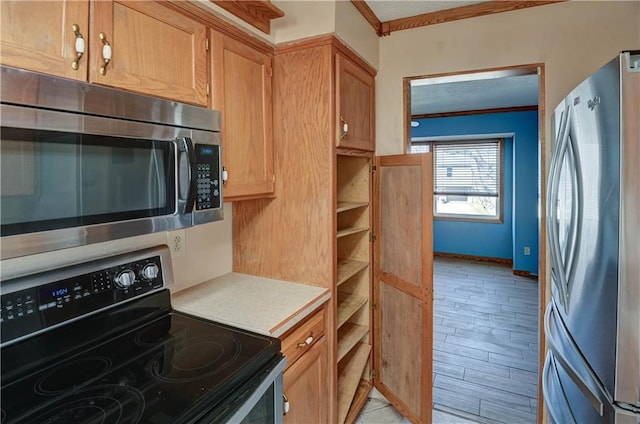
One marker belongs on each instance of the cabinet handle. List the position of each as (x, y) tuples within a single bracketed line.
[(225, 175), (345, 128), (79, 46), (285, 404), (307, 341), (106, 53)]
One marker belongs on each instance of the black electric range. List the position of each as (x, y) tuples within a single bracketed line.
[(134, 361)]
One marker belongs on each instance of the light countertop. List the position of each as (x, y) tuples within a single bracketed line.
[(263, 305)]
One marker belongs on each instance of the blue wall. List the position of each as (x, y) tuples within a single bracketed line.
[(520, 215)]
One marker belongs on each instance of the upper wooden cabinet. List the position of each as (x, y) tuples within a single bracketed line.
[(40, 36), (355, 101), (153, 50), (242, 91)]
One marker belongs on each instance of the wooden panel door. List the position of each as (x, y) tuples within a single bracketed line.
[(355, 99), (154, 50), (403, 283), (305, 386), (242, 91), (39, 36)]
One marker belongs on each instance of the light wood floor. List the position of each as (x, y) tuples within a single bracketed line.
[(485, 342)]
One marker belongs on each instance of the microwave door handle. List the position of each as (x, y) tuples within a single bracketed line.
[(192, 181)]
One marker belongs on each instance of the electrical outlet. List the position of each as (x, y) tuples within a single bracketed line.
[(527, 250), (177, 242)]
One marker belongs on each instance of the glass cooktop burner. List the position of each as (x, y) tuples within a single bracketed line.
[(155, 373)]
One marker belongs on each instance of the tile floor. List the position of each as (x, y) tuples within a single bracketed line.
[(485, 353)]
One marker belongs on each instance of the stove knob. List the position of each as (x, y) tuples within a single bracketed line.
[(150, 272), (125, 279)]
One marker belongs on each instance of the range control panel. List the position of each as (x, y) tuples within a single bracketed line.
[(32, 309)]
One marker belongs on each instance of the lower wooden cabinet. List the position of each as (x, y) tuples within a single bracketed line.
[(306, 387)]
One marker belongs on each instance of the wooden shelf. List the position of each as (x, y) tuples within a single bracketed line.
[(348, 304), (349, 376), (347, 268), (359, 399), (348, 336), (351, 230), (347, 206)]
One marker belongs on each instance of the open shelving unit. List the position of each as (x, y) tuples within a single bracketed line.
[(353, 283)]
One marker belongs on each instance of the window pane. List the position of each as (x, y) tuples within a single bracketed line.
[(464, 168), (475, 206)]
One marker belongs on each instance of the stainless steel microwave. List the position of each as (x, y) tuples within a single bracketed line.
[(81, 164)]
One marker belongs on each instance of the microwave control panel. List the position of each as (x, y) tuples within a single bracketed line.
[(208, 195), (33, 309)]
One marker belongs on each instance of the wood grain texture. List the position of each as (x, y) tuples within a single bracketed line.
[(305, 385), (401, 213), (155, 50), (464, 12), (200, 13), (404, 314), (257, 13), (349, 377), (401, 346), (475, 112), (242, 92), (293, 343), (298, 226), (348, 336), (355, 100), (542, 233), (38, 36)]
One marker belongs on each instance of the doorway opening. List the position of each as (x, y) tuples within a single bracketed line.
[(486, 131)]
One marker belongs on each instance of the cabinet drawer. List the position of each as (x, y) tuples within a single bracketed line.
[(301, 338)]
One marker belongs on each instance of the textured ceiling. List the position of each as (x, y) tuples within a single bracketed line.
[(387, 10), (474, 95)]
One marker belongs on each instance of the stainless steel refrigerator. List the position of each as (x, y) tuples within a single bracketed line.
[(592, 323)]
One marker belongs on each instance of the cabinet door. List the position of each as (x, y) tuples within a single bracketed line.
[(39, 36), (242, 91), (154, 50), (306, 387), (354, 106), (403, 283)]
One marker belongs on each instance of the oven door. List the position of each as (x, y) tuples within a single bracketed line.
[(69, 179), (258, 401)]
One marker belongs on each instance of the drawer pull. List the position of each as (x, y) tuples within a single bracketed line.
[(80, 47), (307, 341), (285, 404)]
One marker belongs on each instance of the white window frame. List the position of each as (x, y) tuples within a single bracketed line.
[(429, 141)]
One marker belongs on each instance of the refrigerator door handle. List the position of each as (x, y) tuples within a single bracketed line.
[(554, 398), (568, 356), (552, 206), (576, 209)]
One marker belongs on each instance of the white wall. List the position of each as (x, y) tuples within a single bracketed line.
[(573, 39)]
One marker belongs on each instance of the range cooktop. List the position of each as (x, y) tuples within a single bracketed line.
[(168, 368)]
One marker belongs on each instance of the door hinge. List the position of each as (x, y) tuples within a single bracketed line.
[(372, 168), (372, 374), (372, 237), (206, 44), (373, 306), (208, 89)]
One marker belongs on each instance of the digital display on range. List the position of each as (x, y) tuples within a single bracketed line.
[(52, 292), (208, 151)]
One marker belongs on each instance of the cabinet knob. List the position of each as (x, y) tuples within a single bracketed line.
[(80, 47), (285, 404), (307, 341), (106, 53), (345, 128)]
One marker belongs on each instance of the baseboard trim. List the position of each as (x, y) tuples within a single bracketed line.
[(525, 274), (503, 261)]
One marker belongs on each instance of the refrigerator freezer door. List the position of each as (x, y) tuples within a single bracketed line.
[(590, 256), (628, 338)]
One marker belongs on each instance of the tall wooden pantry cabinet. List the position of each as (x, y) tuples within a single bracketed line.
[(323, 228)]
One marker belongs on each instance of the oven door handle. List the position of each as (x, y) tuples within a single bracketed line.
[(189, 199)]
